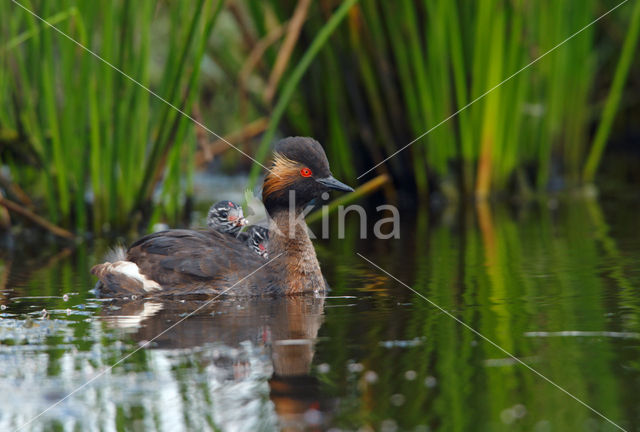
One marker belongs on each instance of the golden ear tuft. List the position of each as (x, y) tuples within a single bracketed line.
[(284, 172), (283, 163)]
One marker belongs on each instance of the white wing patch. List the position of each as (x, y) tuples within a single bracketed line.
[(131, 270)]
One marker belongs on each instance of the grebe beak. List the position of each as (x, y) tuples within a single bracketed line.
[(332, 183), (237, 218), (238, 221)]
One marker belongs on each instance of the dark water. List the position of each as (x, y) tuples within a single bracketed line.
[(556, 285)]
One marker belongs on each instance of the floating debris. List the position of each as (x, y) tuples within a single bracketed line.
[(323, 368), (355, 367), (410, 375), (512, 414), (397, 399), (370, 377), (430, 381), (403, 343), (388, 425), (313, 417)]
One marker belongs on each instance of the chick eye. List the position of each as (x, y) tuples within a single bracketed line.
[(305, 172)]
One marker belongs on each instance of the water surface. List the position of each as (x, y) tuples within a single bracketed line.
[(556, 285)]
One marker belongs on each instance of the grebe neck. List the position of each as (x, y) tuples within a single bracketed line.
[(297, 262)]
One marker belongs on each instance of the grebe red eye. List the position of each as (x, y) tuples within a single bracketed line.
[(305, 172)]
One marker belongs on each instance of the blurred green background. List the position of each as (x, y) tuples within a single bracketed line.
[(91, 149)]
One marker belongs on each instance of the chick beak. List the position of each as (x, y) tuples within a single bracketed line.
[(332, 183), (237, 218)]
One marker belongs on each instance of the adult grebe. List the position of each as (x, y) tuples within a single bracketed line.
[(206, 263)]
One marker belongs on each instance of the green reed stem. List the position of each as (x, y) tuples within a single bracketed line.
[(615, 94), (162, 143), (290, 85)]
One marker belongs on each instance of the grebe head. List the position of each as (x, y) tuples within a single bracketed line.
[(299, 165), (226, 217)]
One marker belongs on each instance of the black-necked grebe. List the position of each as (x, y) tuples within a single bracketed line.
[(186, 262)]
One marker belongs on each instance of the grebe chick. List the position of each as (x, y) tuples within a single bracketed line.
[(226, 217), (256, 237)]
